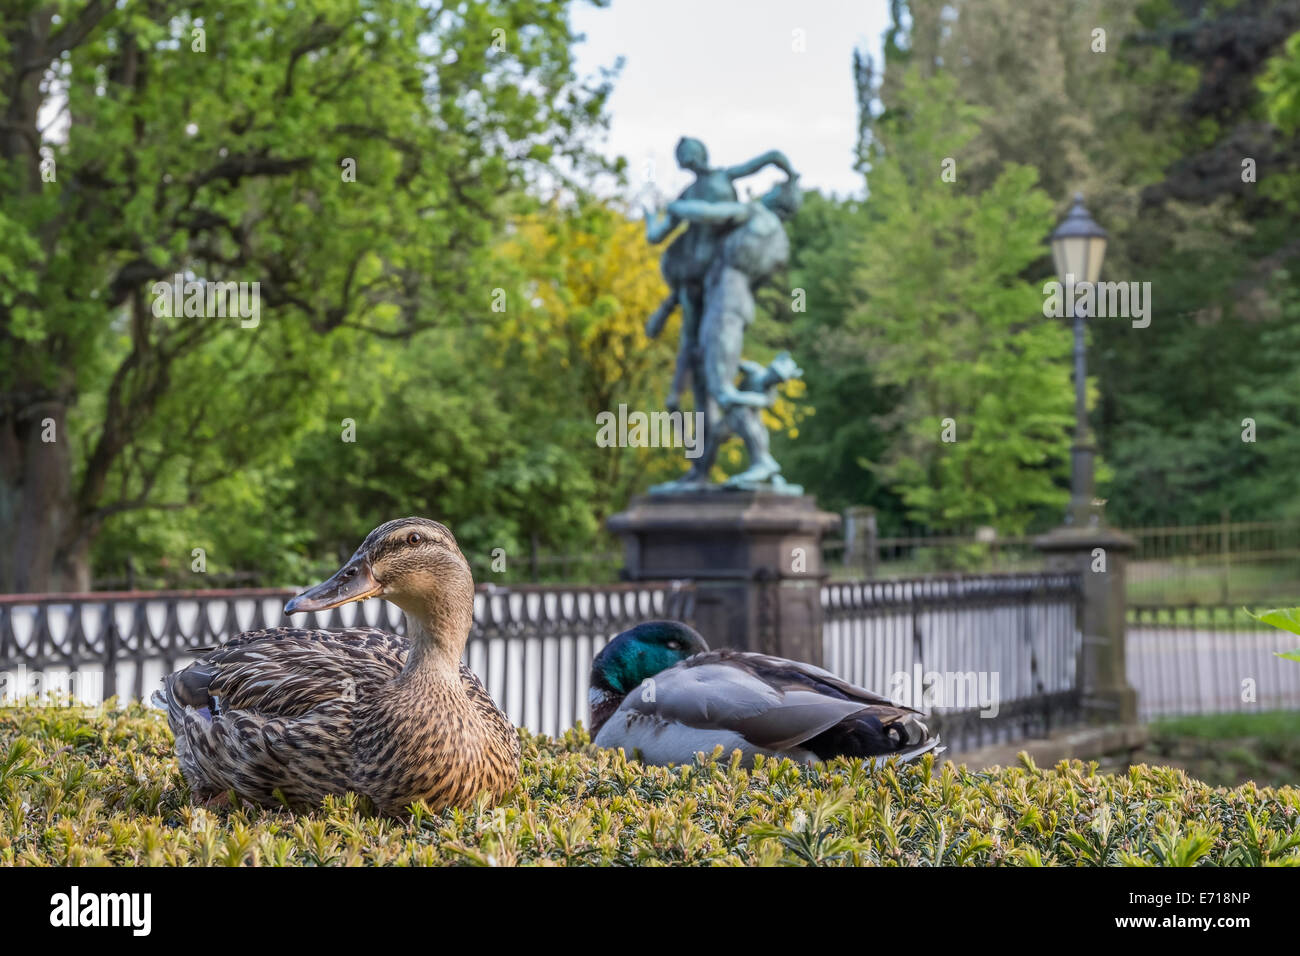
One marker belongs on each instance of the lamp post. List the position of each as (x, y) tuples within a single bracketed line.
[(1096, 553), (1078, 248)]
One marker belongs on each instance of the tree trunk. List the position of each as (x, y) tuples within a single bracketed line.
[(37, 512), (40, 549)]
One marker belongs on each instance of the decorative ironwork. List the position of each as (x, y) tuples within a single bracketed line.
[(1009, 643), (992, 658), (531, 645)]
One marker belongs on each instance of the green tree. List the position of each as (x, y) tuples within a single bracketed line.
[(574, 330), (1168, 134), (215, 141), (1280, 85), (948, 319), (1215, 237), (488, 426), (845, 429)]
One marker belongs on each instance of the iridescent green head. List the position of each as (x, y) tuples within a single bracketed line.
[(642, 652)]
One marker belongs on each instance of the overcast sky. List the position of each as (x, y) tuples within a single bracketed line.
[(727, 72)]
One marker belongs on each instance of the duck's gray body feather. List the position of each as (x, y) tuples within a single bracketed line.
[(759, 705)]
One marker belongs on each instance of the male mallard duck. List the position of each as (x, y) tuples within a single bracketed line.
[(658, 690), (288, 715)]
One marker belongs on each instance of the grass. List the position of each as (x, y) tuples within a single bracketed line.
[(1269, 725), (1230, 749), (80, 788), (1208, 581), (1191, 618)]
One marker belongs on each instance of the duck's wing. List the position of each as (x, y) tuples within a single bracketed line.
[(785, 673), (270, 710), (881, 728), (777, 705), (289, 671)]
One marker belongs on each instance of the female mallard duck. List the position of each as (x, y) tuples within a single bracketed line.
[(287, 715), (658, 691)]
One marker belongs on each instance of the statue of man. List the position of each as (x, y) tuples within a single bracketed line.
[(685, 263), (753, 246)]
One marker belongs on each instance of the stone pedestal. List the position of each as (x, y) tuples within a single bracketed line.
[(755, 558), (1100, 555)]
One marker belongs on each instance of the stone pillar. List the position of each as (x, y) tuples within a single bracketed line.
[(1100, 555), (755, 558)]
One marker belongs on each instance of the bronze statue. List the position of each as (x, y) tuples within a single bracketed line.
[(685, 263), (734, 246), (746, 420)]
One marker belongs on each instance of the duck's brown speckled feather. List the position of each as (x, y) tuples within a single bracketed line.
[(293, 714)]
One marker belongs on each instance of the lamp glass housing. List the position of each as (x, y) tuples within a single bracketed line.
[(1079, 256)]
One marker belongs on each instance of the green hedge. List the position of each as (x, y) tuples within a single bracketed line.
[(79, 788)]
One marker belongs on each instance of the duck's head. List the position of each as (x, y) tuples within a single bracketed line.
[(413, 562), (633, 656)]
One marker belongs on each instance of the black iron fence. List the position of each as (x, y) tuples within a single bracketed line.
[(1175, 565), (531, 646), (992, 657), (1224, 562), (924, 553), (1207, 659)]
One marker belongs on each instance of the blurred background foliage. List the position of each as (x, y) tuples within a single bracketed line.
[(471, 308), (1155, 132)]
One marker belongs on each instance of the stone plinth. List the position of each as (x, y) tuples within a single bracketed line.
[(1100, 555), (755, 558)]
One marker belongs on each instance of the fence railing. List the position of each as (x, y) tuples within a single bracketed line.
[(1179, 564), (1222, 562), (1218, 562), (531, 646), (992, 657), (1206, 659), (903, 556)]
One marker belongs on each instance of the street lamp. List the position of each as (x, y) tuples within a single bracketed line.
[(1078, 248)]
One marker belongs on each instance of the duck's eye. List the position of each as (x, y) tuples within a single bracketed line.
[(674, 645), (413, 538)]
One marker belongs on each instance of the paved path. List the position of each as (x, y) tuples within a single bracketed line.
[(1185, 671)]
